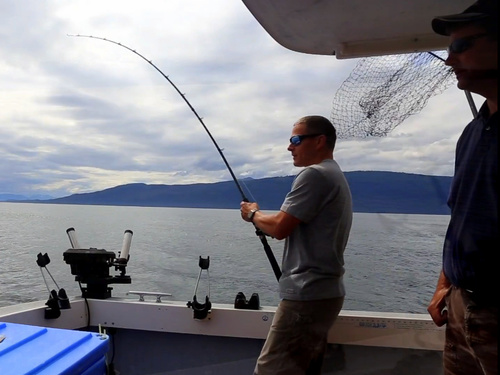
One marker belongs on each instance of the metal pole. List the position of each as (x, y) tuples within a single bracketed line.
[(471, 103)]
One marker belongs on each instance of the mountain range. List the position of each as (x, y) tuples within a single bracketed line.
[(372, 191), (19, 197)]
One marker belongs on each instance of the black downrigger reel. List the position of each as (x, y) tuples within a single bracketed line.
[(91, 266)]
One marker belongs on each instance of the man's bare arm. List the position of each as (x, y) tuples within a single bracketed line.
[(279, 225)]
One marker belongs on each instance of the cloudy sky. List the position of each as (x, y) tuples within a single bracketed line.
[(80, 115)]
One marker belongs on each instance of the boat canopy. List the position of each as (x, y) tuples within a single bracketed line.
[(354, 28)]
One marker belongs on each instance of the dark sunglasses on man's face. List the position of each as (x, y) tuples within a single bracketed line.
[(297, 139), (463, 44)]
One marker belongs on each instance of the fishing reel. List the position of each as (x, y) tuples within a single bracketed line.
[(91, 266), (241, 302)]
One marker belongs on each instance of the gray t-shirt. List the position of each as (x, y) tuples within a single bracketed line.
[(313, 259)]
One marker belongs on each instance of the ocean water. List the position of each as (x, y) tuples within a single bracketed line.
[(392, 260)]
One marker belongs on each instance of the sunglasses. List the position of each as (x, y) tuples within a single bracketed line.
[(463, 44), (297, 139)]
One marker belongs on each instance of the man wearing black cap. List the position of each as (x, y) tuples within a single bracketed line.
[(466, 294)]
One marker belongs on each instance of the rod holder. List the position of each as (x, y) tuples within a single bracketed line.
[(127, 241), (72, 238)]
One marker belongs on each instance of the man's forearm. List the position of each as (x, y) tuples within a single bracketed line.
[(269, 224), (279, 225)]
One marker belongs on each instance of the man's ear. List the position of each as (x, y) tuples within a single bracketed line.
[(321, 142)]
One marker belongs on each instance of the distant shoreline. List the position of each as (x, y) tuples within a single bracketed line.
[(372, 191)]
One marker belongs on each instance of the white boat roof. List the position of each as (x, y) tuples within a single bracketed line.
[(354, 28)]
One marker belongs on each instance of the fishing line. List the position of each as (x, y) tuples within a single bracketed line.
[(248, 190), (259, 233)]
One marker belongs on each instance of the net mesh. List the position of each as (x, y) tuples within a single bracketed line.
[(381, 92)]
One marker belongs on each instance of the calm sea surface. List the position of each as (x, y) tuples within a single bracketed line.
[(392, 261)]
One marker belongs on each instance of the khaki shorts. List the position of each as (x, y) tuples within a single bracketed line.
[(297, 340), (471, 346)]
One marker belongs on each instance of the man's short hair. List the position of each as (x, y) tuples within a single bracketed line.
[(321, 125), (483, 13)]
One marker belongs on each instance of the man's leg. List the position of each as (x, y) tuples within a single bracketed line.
[(297, 339), (471, 346)]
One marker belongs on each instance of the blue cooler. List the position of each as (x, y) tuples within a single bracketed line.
[(36, 350)]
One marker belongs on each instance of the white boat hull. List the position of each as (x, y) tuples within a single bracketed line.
[(163, 338)]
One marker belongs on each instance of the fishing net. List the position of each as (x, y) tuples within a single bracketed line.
[(381, 92)]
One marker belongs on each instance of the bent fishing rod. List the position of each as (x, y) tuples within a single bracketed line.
[(260, 234)]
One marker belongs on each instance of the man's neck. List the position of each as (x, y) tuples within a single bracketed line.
[(493, 106), (321, 159), (491, 95)]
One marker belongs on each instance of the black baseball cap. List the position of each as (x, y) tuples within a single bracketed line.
[(483, 12)]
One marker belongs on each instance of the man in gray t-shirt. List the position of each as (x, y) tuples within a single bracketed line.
[(315, 219)]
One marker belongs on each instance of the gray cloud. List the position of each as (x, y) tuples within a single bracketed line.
[(81, 115)]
